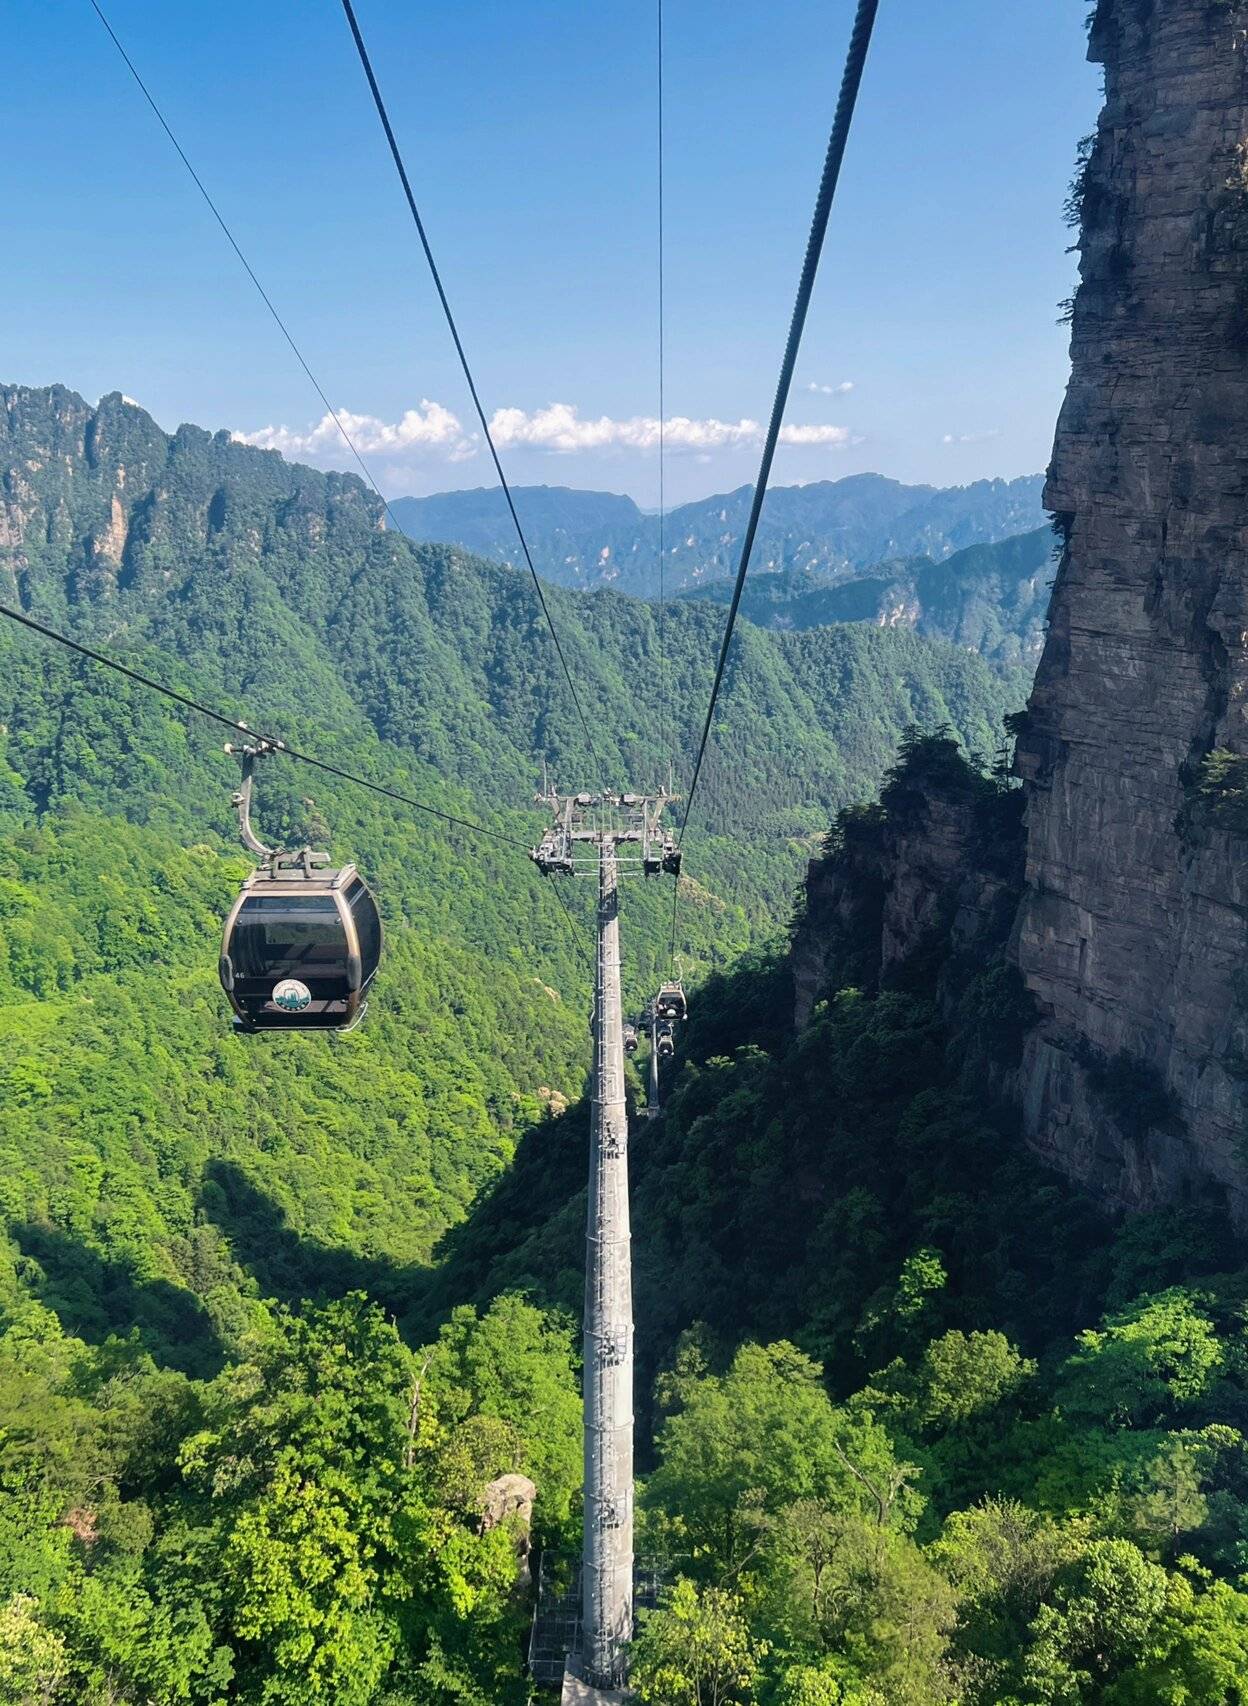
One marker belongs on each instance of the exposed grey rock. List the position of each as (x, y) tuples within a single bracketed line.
[(510, 1499), (931, 879), (508, 1496), (1133, 933)]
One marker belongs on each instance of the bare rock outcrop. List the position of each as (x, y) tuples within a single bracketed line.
[(1133, 933), (509, 1499), (920, 891)]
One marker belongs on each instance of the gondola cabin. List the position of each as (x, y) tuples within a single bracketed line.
[(302, 945), (671, 1002)]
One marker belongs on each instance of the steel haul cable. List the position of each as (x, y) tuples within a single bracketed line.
[(665, 712), (419, 223), (851, 82), (237, 726), (330, 410), (246, 264)]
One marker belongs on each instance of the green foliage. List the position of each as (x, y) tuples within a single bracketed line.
[(1134, 1092), (1077, 195), (830, 527), (517, 1365), (1149, 1364), (738, 1450), (33, 1663), (1217, 796), (695, 1650), (937, 1518), (989, 598), (284, 1533), (963, 1375), (919, 1426)]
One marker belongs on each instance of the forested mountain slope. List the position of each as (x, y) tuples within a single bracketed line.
[(168, 1188), (990, 599), (1023, 1477), (271, 591), (278, 587), (588, 539)]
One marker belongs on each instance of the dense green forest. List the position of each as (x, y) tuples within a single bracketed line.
[(216, 1239), (918, 1426), (989, 598), (276, 590), (925, 1427)]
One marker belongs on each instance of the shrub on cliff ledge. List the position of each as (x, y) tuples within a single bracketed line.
[(1136, 1095), (1217, 796)]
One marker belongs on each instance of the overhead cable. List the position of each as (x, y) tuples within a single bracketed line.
[(666, 737), (246, 264), (236, 725), (419, 223), (860, 41)]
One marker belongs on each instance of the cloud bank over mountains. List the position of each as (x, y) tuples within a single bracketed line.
[(434, 432)]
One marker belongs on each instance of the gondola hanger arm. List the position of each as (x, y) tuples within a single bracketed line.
[(247, 756)]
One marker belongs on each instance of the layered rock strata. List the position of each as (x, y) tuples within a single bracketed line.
[(1133, 932)]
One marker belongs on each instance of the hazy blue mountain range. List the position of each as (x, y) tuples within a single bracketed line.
[(587, 539), (989, 599)]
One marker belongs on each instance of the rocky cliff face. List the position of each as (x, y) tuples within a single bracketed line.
[(96, 501), (1133, 933), (920, 891)]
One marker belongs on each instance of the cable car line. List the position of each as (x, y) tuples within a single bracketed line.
[(577, 931), (667, 735), (665, 712), (246, 264), (302, 359), (278, 320), (860, 40), (235, 725), (397, 156), (851, 82)]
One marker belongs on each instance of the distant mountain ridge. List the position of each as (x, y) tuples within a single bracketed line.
[(990, 599), (281, 584), (586, 539)]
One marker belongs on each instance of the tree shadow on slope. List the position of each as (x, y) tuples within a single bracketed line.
[(525, 1232), (287, 1266), (96, 1298)]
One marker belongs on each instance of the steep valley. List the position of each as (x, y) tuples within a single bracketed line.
[(938, 1242), (271, 592)]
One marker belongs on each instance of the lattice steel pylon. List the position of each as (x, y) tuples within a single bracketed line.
[(610, 835)]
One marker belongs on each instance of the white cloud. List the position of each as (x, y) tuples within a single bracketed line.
[(841, 390), (559, 427), (814, 435), (430, 427), (971, 437), (435, 433)]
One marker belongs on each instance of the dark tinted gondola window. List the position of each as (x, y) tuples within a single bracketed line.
[(287, 936), (368, 924)]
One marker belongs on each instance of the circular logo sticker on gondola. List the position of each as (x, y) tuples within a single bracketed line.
[(292, 996)]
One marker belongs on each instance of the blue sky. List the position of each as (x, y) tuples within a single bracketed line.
[(529, 127)]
